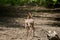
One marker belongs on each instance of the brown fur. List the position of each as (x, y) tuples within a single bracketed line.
[(29, 29)]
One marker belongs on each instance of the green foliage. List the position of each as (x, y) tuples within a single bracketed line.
[(54, 1), (33, 2)]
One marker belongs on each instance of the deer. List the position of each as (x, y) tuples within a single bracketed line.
[(29, 25)]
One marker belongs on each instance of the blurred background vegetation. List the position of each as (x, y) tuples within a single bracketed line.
[(46, 3), (13, 7)]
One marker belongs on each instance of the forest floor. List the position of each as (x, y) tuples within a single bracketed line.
[(13, 28)]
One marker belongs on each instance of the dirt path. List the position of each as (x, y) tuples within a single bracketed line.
[(17, 32)]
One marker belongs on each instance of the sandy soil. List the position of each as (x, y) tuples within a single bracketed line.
[(17, 32)]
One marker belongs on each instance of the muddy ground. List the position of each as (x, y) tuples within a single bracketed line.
[(12, 28)]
